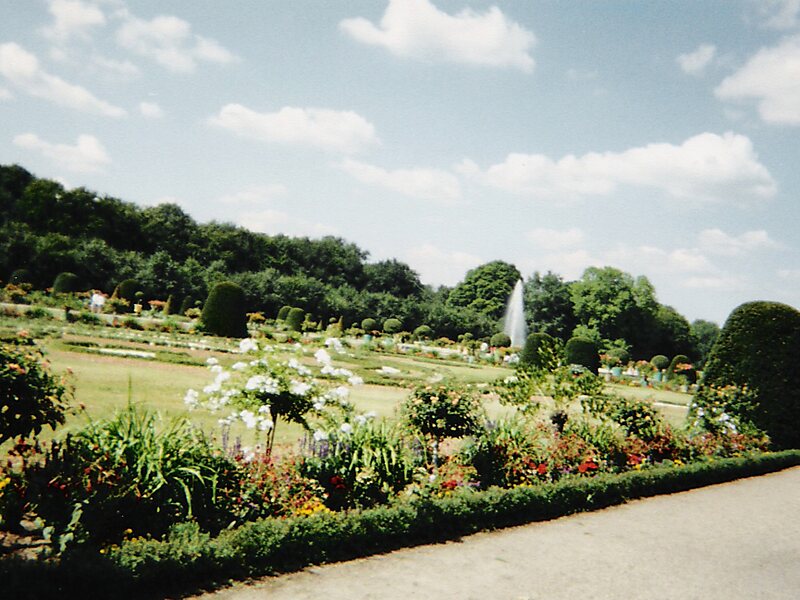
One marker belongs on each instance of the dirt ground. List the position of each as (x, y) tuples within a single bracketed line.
[(730, 541)]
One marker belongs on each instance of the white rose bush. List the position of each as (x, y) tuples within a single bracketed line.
[(263, 389)]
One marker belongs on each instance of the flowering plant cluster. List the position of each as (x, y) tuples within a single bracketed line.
[(265, 389), (712, 409), (442, 411)]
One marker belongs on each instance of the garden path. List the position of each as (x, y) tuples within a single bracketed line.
[(729, 541)]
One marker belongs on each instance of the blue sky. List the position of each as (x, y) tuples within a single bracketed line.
[(657, 137)]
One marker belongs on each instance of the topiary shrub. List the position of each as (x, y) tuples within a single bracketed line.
[(127, 289), (169, 306), (186, 304), (532, 352), (660, 362), (621, 355), (500, 340), (295, 318), (392, 326), (681, 365), (224, 312), (20, 276), (423, 332), (369, 324), (582, 351), (66, 283), (758, 348), (284, 312)]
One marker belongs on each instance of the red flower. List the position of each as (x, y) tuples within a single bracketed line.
[(542, 469), (450, 485), (338, 483), (634, 459), (587, 465)]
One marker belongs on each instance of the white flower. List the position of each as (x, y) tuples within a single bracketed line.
[(335, 344), (299, 388), (216, 368), (355, 380), (211, 361), (254, 382), (265, 424), (248, 418), (346, 428), (248, 345), (239, 366), (322, 357), (510, 379), (191, 399), (303, 370), (212, 388), (222, 377), (386, 370), (340, 392), (263, 409), (320, 436), (327, 370)]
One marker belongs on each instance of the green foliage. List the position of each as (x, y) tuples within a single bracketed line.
[(224, 311), (639, 418), (369, 325), (620, 355), (705, 333), (582, 351), (66, 283), (31, 397), (758, 348), (486, 289), (20, 276), (423, 332), (295, 318), (127, 289), (541, 351), (680, 365), (284, 312), (169, 305), (442, 411), (660, 362), (548, 306), (129, 476), (186, 304), (500, 340), (392, 326)]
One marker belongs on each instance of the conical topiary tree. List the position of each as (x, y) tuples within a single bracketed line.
[(758, 347), (295, 318), (127, 289), (224, 312)]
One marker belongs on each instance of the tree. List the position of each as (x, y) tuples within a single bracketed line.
[(548, 305), (704, 333), (224, 311), (758, 349), (486, 289), (392, 277)]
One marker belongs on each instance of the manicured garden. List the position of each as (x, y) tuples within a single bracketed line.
[(199, 459)]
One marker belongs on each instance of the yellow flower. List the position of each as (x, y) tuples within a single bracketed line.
[(4, 482)]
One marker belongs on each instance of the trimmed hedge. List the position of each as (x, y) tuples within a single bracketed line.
[(660, 362), (127, 289), (530, 353), (294, 319), (392, 326), (224, 311), (500, 340), (66, 283), (582, 351), (188, 559)]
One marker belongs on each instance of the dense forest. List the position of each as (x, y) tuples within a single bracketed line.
[(46, 229)]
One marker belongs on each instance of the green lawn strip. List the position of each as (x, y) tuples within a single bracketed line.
[(189, 560)]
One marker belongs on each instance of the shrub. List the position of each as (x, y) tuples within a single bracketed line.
[(442, 411), (66, 283), (30, 395), (392, 326), (637, 417), (38, 312), (621, 355), (423, 332), (117, 305), (169, 305), (127, 289), (582, 351), (539, 350), (224, 311), (500, 340), (758, 348), (186, 304), (20, 276), (85, 317), (295, 319), (660, 362), (284, 312), (369, 325), (129, 475)]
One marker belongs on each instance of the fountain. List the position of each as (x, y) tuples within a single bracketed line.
[(514, 320)]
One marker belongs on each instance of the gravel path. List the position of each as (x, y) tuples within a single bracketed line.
[(730, 541)]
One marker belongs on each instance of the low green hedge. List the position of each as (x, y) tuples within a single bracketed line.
[(189, 559)]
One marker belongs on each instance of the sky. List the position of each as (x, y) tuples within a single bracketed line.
[(661, 138)]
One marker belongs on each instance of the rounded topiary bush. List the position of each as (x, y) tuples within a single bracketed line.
[(681, 365), (224, 312), (621, 355), (284, 312), (369, 324), (423, 332), (127, 289), (531, 355), (759, 347), (582, 351), (500, 340), (20, 276), (295, 318), (66, 283), (392, 326), (660, 362)]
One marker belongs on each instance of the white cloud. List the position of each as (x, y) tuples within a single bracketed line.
[(650, 259), (151, 110), (705, 167), (726, 283), (718, 242), (344, 131), (417, 29), (274, 222), (72, 18), (425, 184), (555, 239), (5, 94), (694, 63), (772, 78), (258, 194), (169, 41), (439, 267), (22, 70), (123, 68), (780, 14), (87, 155)]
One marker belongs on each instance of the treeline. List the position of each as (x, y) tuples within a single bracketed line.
[(46, 229)]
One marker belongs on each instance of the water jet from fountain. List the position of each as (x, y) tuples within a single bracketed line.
[(514, 320)]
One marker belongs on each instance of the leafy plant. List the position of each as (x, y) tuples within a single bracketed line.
[(224, 311)]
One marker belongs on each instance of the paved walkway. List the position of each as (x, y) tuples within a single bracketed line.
[(730, 541)]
